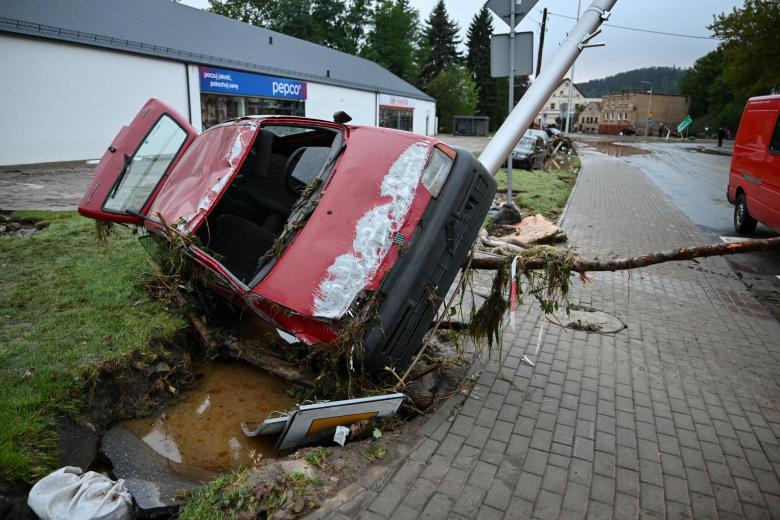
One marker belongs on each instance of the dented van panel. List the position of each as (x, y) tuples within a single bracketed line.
[(202, 174)]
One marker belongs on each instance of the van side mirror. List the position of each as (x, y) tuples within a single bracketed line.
[(341, 117)]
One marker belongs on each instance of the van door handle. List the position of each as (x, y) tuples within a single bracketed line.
[(752, 179)]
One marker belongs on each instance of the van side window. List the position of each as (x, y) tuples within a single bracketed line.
[(774, 146)]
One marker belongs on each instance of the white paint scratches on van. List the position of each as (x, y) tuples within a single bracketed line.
[(350, 272)]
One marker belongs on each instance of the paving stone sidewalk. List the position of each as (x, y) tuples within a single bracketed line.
[(676, 416)]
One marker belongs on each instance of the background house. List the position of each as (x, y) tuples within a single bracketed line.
[(631, 110), (554, 111), (590, 116)]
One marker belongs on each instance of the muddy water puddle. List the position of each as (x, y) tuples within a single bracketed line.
[(204, 429), (616, 149)]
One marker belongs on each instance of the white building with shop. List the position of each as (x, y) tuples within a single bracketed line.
[(74, 72)]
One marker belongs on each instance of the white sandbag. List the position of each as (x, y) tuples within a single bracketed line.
[(67, 494)]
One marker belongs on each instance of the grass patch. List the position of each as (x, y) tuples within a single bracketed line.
[(317, 458), (540, 191), (66, 305), (233, 496)]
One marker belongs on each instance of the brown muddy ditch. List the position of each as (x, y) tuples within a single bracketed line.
[(203, 429), (168, 421)]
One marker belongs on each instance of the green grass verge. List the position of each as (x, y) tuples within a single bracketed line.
[(540, 191), (232, 496), (66, 305)]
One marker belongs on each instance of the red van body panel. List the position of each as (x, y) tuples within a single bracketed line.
[(755, 164)]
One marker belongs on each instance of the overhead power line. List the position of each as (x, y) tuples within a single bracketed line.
[(644, 30)]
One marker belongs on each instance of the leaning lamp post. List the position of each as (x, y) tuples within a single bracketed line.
[(518, 121), (649, 107)]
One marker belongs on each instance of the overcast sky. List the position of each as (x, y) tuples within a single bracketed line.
[(625, 49)]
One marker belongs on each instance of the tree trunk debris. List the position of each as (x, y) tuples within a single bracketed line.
[(584, 265)]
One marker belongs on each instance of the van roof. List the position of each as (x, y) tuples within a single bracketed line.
[(772, 97)]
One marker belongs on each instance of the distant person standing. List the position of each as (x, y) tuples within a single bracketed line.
[(721, 135)]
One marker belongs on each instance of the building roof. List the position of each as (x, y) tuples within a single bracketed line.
[(171, 30)]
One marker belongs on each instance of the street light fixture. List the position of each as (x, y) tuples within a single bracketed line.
[(649, 107)]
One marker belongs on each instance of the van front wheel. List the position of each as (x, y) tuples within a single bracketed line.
[(743, 222)]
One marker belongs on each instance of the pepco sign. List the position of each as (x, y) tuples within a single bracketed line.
[(226, 81)]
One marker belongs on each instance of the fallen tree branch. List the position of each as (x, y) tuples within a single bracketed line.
[(584, 265)]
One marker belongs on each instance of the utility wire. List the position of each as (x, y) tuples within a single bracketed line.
[(642, 30)]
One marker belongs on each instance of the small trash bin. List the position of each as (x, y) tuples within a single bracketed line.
[(471, 125)]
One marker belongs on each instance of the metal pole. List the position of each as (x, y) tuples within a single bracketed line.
[(535, 97), (649, 106), (541, 43), (513, 8), (571, 82)]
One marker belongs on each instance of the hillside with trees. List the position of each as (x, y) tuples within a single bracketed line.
[(664, 79)]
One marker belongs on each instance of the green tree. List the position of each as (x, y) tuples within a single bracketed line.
[(699, 80), (339, 24), (354, 25), (441, 40), (391, 40), (744, 65), (255, 12), (478, 63), (455, 93), (751, 37)]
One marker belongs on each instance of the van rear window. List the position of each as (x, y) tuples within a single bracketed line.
[(774, 146)]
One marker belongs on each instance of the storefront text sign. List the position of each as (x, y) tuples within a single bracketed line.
[(225, 81)]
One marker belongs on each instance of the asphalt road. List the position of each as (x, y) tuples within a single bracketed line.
[(696, 182)]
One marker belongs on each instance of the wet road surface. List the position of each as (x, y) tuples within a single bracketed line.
[(696, 182), (50, 186)]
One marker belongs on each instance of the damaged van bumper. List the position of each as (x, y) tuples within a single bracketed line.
[(418, 283)]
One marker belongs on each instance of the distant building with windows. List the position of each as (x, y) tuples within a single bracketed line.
[(634, 111), (590, 116), (74, 72), (555, 109)]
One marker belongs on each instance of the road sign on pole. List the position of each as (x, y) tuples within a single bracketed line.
[(503, 9), (512, 12), (685, 123), (499, 54)]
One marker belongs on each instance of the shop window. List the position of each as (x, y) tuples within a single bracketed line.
[(401, 119), (217, 108)]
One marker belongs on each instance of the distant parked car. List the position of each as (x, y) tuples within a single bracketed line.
[(530, 153), (754, 177), (311, 224)]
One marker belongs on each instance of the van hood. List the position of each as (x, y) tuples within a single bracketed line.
[(368, 209)]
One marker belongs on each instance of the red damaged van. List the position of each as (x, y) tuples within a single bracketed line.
[(302, 220), (754, 178)]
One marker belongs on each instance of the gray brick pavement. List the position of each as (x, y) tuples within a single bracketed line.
[(676, 416)]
